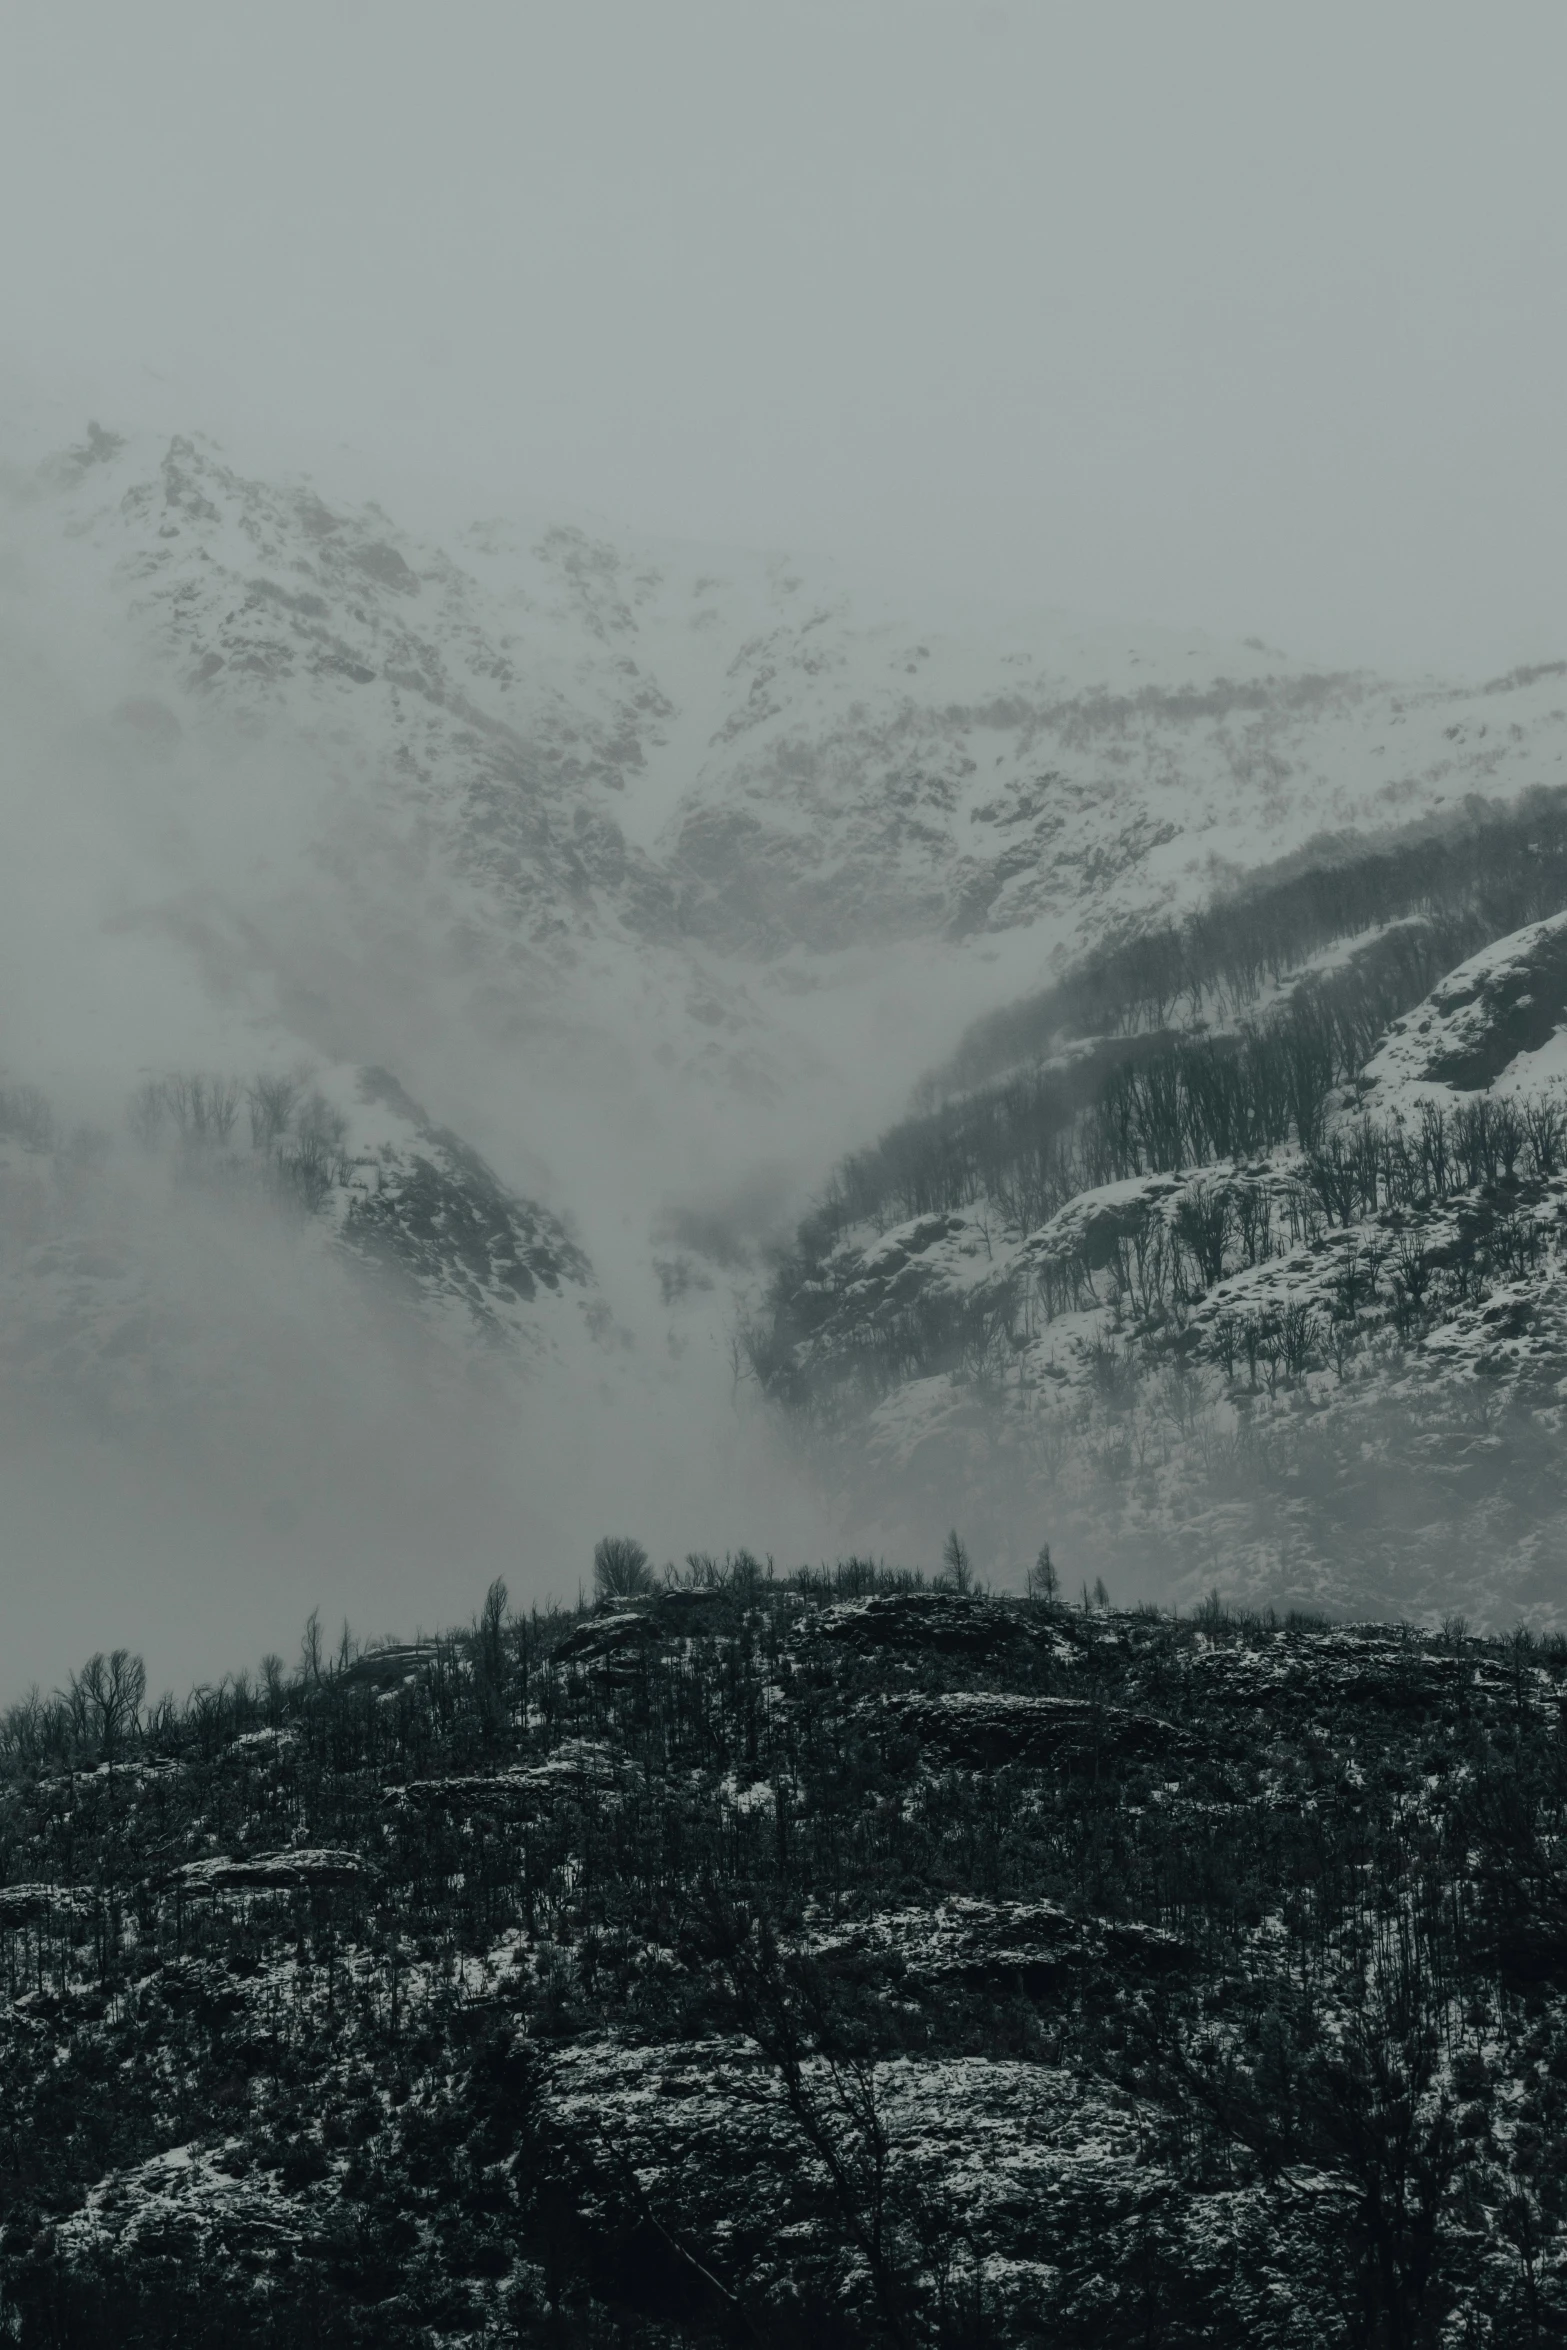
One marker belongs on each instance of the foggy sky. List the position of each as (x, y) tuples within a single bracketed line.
[(1245, 317)]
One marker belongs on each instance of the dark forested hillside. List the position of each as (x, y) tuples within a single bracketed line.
[(820, 1959), (1487, 870), (1236, 1256), (1242, 1007)]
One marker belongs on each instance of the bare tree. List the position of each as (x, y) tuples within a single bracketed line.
[(222, 1107), (105, 1700), (271, 1101), (1043, 1582), (1546, 1123), (831, 2092), (489, 1654), (1226, 1342), (620, 1568)]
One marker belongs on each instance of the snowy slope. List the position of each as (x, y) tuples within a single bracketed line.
[(1498, 1021), (595, 732)]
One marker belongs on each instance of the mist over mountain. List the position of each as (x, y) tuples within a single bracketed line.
[(446, 969)]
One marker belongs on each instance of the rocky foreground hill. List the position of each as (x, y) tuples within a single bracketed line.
[(810, 1959)]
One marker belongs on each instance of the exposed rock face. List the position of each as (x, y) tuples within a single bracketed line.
[(299, 1870), (920, 1622), (979, 1729), (439, 1217), (1495, 1018)]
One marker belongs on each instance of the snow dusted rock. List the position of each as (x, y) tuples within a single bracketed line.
[(393, 1665), (429, 1209), (607, 1637), (25, 1905), (1366, 1666), (577, 1767), (301, 1869), (188, 2204), (989, 1942), (977, 1729), (1092, 1229), (941, 1622), (1499, 1020)]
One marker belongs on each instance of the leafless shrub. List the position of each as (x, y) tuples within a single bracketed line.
[(1334, 1174), (1114, 1371), (1515, 1245), (1253, 1333), (1355, 1282), (1254, 1222), (1412, 1268)]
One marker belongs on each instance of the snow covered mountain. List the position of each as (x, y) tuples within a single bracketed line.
[(660, 876), (594, 734)]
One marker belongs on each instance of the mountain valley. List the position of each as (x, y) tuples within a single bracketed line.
[(664, 879)]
